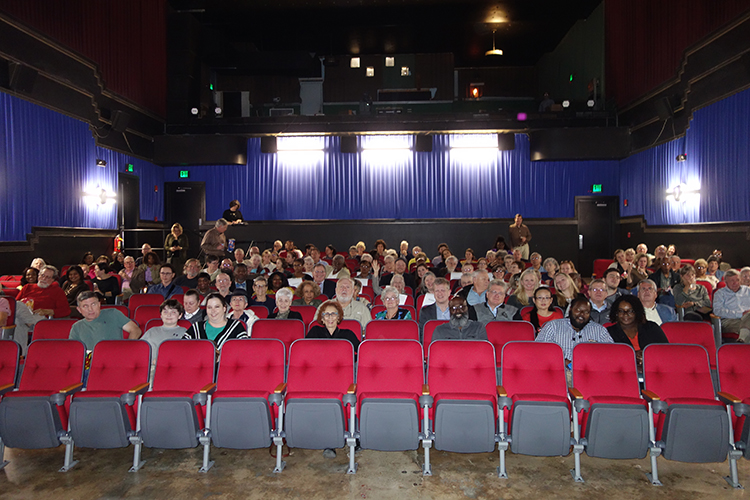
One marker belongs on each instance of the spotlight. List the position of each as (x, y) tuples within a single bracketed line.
[(194, 111), (566, 103), (101, 163), (217, 110), (590, 103), (681, 157)]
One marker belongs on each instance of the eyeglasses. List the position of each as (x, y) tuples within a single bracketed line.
[(390, 298), (597, 290), (330, 315), (625, 312)]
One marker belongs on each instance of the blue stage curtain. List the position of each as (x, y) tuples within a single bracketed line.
[(47, 160), (718, 161), (399, 184)]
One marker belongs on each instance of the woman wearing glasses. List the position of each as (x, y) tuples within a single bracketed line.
[(329, 318), (631, 327), (543, 310)]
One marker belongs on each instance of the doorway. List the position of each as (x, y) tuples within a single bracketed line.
[(128, 206), (185, 202), (597, 230)]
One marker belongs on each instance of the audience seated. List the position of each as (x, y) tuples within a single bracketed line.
[(100, 324), (658, 313), (691, 297), (494, 307), (542, 311), (192, 302), (217, 327), (600, 306), (283, 303), (260, 296), (632, 327), (460, 326), (328, 318), (171, 312), (527, 283), (732, 305)]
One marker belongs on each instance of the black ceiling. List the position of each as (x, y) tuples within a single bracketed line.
[(233, 29)]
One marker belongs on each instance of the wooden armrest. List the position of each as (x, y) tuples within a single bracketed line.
[(352, 389), (208, 388), (138, 388), (280, 388), (650, 395), (725, 395), (575, 393), (8, 327), (5, 387), (502, 392), (425, 390), (71, 388)]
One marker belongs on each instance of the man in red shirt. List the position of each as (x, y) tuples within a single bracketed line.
[(47, 296)]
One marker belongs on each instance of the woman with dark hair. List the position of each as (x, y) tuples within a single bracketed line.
[(277, 281), (105, 284), (29, 275), (217, 327), (147, 273), (330, 251), (380, 248), (631, 327), (500, 245), (86, 261), (692, 297), (542, 311), (73, 285), (307, 294), (330, 315)]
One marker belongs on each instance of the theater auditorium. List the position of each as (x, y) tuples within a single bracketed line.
[(374, 249)]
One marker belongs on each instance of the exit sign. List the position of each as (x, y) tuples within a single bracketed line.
[(129, 167), (596, 188), (184, 174)]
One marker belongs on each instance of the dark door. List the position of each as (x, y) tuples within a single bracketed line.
[(185, 202), (597, 230)]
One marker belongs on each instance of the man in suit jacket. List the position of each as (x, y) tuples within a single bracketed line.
[(327, 287)]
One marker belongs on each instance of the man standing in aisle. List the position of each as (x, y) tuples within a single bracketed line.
[(520, 236)]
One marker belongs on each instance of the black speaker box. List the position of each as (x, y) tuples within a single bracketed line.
[(664, 108), (424, 144), (506, 141), (23, 78), (349, 144), (120, 121), (268, 145)]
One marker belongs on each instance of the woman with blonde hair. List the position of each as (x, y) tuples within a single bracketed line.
[(527, 283), (565, 289), (176, 245)]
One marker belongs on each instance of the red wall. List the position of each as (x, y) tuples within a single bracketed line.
[(645, 39), (126, 38)]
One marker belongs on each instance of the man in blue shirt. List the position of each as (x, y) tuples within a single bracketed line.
[(732, 305), (167, 288)]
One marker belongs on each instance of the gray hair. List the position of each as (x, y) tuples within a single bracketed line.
[(650, 282), (284, 292), (390, 289), (745, 269), (54, 270), (85, 295), (476, 274), (500, 283), (221, 223), (398, 276), (731, 272)]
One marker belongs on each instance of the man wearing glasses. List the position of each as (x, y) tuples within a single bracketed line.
[(167, 288), (600, 307), (260, 297), (494, 308), (460, 327), (45, 297)]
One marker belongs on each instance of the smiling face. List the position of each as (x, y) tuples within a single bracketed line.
[(543, 300), (170, 316), (308, 293), (390, 300), (330, 317), (283, 303), (625, 314), (215, 311), (580, 314), (74, 276), (529, 283), (647, 294), (495, 295), (223, 283)]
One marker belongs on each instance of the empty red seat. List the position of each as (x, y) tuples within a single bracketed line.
[(173, 414), (462, 382), (694, 332), (144, 299), (734, 380), (145, 313), (121, 308), (500, 333), (534, 391), (395, 329), (249, 390), (260, 311), (307, 312), (606, 394), (285, 330), (53, 329), (104, 416), (36, 415), (429, 328), (691, 425)]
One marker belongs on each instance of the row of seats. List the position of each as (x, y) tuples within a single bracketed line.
[(391, 405)]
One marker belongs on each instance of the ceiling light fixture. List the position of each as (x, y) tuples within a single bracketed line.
[(494, 51), (566, 104)]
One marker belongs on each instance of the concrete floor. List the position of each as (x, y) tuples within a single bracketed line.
[(247, 474)]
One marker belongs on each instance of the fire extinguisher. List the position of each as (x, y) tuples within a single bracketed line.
[(119, 243)]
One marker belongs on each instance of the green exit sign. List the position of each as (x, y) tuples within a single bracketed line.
[(130, 167), (184, 174), (596, 188)]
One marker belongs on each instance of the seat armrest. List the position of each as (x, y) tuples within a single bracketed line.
[(575, 393), (60, 397), (352, 389), (650, 395), (728, 398), (579, 403), (277, 396), (503, 401), (208, 388), (426, 400), (501, 391), (129, 397), (5, 388)]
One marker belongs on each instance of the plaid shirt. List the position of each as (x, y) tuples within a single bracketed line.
[(561, 333)]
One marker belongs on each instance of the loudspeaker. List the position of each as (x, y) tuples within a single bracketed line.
[(22, 79), (268, 145), (506, 141), (664, 108), (120, 121), (423, 144), (349, 144)]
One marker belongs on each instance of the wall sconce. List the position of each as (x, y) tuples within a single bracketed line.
[(370, 71), (98, 196), (682, 193), (101, 163), (390, 61), (354, 62)]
